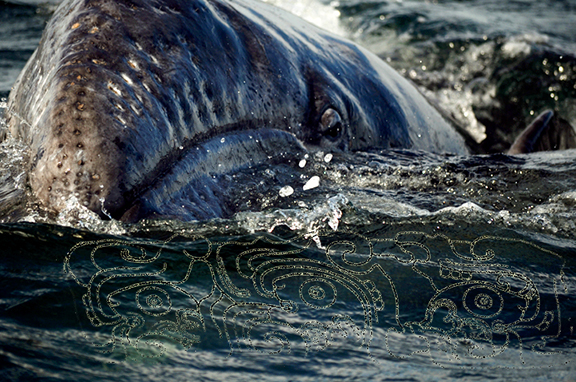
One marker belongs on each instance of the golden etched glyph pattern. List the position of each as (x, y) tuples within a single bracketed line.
[(408, 295)]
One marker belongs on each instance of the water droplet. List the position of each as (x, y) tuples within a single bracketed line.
[(312, 183), (286, 191)]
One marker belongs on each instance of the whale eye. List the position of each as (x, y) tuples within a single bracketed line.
[(331, 126)]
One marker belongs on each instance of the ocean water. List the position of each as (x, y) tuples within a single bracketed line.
[(400, 265)]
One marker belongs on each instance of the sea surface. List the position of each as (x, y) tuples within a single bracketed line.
[(398, 265)]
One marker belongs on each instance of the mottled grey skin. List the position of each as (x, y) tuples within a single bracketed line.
[(131, 105)]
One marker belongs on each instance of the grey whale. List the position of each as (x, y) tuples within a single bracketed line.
[(130, 105)]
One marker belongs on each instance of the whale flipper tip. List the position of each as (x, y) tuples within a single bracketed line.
[(546, 132)]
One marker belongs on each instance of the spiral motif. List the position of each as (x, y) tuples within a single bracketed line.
[(483, 301), (153, 301), (318, 293), (316, 335)]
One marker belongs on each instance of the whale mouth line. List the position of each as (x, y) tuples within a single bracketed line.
[(199, 162), (189, 145)]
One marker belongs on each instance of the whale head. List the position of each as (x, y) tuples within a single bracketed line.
[(124, 100)]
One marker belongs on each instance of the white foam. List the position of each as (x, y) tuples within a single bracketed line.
[(312, 221), (75, 215), (313, 11)]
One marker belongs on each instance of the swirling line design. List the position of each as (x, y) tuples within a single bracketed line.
[(457, 299)]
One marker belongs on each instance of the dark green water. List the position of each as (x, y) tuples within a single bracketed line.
[(401, 301)]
